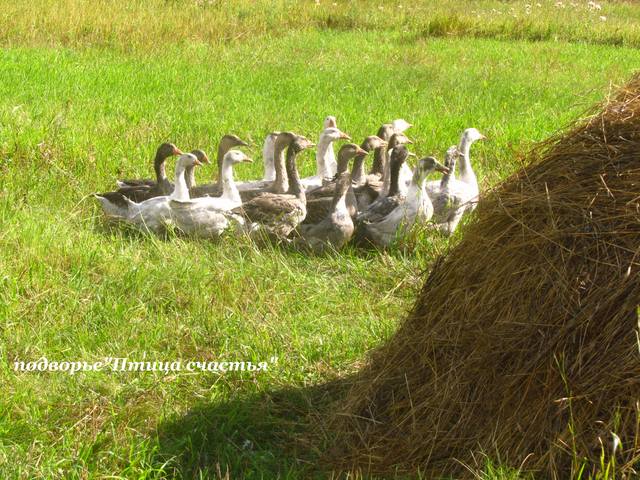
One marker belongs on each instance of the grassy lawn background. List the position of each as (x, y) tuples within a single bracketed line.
[(78, 110)]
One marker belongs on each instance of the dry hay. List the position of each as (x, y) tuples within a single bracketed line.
[(523, 342)]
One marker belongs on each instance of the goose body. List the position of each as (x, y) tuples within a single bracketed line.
[(417, 207), (198, 220), (276, 214), (336, 229), (456, 196)]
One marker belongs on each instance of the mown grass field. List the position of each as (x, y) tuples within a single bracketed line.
[(88, 91)]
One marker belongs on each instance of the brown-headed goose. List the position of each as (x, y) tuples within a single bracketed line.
[(320, 199), (384, 205), (143, 189), (164, 151), (227, 142), (277, 214), (417, 207), (326, 165), (336, 229), (152, 214), (458, 195)]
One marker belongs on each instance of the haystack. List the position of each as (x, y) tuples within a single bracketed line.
[(523, 343)]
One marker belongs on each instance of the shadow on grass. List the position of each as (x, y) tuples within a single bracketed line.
[(276, 434)]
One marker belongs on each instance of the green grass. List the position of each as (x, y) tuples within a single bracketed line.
[(75, 115)]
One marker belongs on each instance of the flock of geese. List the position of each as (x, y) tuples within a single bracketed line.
[(318, 213)]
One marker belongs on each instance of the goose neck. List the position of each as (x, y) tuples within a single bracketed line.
[(229, 189), (159, 165), (190, 176), (358, 176), (180, 191), (325, 157), (394, 178), (223, 148), (467, 174), (379, 157), (295, 186), (281, 182), (269, 167)]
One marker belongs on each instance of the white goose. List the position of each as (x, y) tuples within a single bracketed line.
[(153, 214), (230, 197), (416, 208), (326, 165), (453, 198)]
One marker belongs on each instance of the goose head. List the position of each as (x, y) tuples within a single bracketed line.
[(471, 135), (426, 166), (300, 143), (372, 142), (346, 153), (233, 157), (186, 161), (332, 134), (398, 139), (229, 141), (400, 125), (201, 156), (329, 122), (167, 150)]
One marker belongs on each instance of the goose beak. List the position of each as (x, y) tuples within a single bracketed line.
[(243, 144), (197, 162), (344, 136), (247, 160), (177, 151), (411, 154), (361, 151), (409, 141), (482, 137), (206, 160)]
